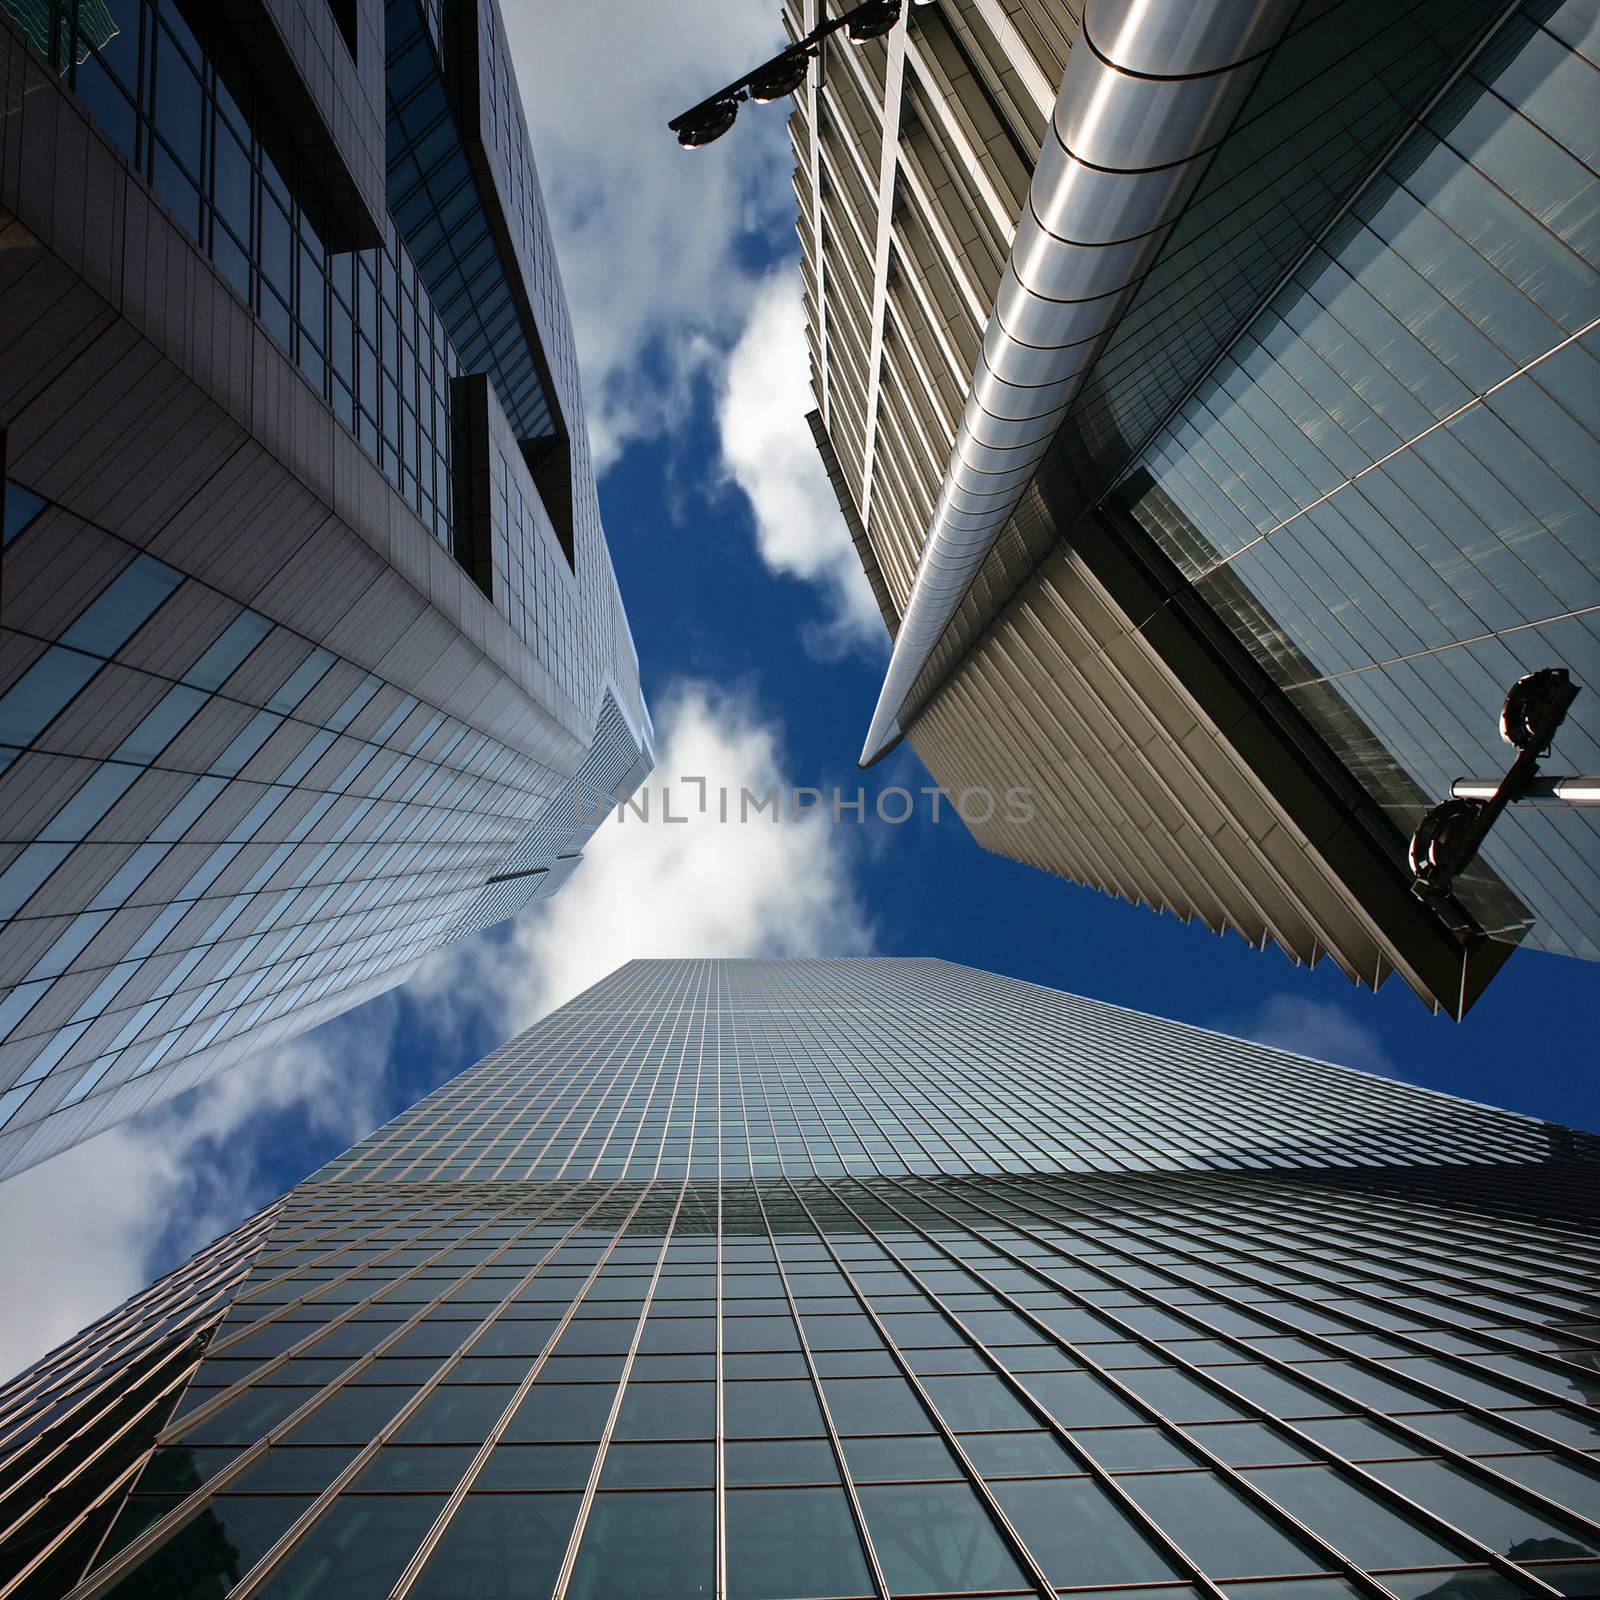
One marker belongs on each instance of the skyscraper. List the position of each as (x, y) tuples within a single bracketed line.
[(814, 1280), (1221, 499), (313, 656)]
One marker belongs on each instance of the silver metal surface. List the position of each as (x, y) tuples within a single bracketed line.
[(1148, 92), (1577, 790)]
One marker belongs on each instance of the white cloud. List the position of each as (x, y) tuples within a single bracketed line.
[(648, 235), (1317, 1028), (702, 887), (768, 451), (83, 1231), (658, 247)]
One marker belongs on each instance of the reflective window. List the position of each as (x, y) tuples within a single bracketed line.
[(123, 606), (1078, 1532), (1353, 1518), (356, 1548), (648, 1546), (20, 507), (936, 1536), (1489, 1514), (500, 1544), (29, 706), (1217, 1526), (771, 1409), (785, 1544)]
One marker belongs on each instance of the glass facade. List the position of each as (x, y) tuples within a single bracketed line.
[(238, 802), (880, 1278), (1386, 486)]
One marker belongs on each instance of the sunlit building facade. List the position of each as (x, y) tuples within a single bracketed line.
[(831, 1280), (313, 657), (1221, 498)]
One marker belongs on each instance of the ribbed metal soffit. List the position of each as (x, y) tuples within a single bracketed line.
[(1150, 90)]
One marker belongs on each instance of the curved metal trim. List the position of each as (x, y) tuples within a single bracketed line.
[(1140, 110)]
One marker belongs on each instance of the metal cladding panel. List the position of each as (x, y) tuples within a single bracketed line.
[(1268, 425)]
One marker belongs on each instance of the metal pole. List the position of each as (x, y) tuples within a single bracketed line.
[(1576, 790)]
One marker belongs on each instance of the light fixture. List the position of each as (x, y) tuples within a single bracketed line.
[(780, 76), (873, 20), (706, 123)]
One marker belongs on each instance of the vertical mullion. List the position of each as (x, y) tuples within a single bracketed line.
[(441, 1523), (1025, 1557), (720, 1009), (880, 1583), (575, 1539), (159, 1532)]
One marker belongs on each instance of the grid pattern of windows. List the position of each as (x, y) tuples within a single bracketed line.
[(1409, 426), (218, 833), (900, 1067), (237, 801), (434, 198), (1309, 1383), (170, 84)]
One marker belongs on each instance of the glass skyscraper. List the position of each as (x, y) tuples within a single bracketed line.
[(814, 1280), (1220, 456), (313, 658)]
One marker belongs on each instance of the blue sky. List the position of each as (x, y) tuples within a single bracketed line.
[(762, 656)]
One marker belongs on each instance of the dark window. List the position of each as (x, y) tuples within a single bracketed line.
[(648, 1546), (356, 1548), (1078, 1533), (500, 1544), (210, 1553), (785, 1544), (935, 1536), (344, 16)]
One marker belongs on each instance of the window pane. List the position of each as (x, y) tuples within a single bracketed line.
[(659, 1466), (352, 1415), (1487, 1513), (784, 1544), (916, 1455), (1019, 1454), (667, 1411), (415, 1467), (647, 1546), (308, 1469), (937, 1536), (562, 1411), (122, 607), (537, 1466), (1133, 1449), (1352, 1519), (356, 1549), (462, 1413), (978, 1402), (875, 1405), (213, 1551), (771, 1409), (1078, 1533), (21, 507), (1079, 1399), (33, 701), (500, 1544), (779, 1461), (1217, 1527)]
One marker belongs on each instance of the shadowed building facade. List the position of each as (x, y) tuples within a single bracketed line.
[(1209, 391), (831, 1280), (313, 658)]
